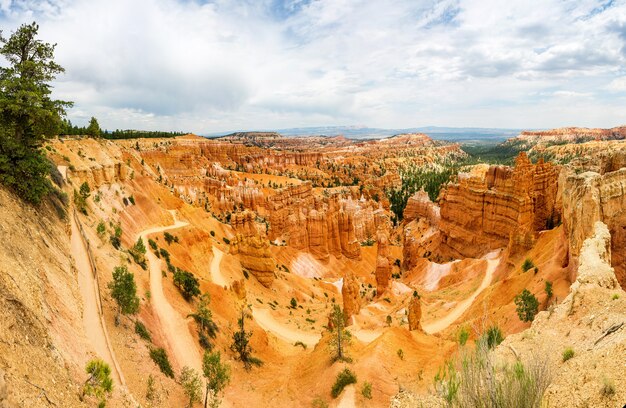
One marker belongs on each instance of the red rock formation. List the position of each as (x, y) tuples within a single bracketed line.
[(383, 266), (253, 249), (415, 313), (495, 206), (351, 297), (420, 206)]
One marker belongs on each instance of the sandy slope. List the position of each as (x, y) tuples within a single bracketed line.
[(443, 323), (264, 318), (174, 325), (347, 397), (92, 322), (216, 274)]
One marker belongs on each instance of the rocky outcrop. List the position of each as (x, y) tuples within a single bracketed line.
[(420, 206), (239, 288), (415, 313), (495, 206), (252, 248), (591, 197), (350, 295), (383, 265)]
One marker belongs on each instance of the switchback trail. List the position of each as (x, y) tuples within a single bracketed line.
[(173, 325), (459, 309), (216, 273)]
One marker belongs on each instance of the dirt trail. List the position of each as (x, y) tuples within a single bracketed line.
[(347, 397), (216, 273), (264, 318), (459, 309), (92, 319), (173, 324)]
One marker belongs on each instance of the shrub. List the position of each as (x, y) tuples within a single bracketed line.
[(159, 356), (366, 390), (318, 402), (463, 335), (400, 354), (344, 378), (101, 229), (226, 241), (245, 274), (293, 303), (615, 296), (301, 344), (491, 337), (528, 264), (212, 233), (152, 244), (169, 238), (568, 353), (165, 254), (477, 379), (132, 200), (186, 283), (115, 241), (608, 388), (142, 331), (548, 289), (527, 306)]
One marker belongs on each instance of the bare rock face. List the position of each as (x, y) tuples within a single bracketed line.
[(495, 206), (239, 288), (253, 248), (415, 313), (383, 266), (420, 206), (351, 298), (591, 197)]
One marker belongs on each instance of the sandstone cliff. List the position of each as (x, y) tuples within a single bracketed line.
[(252, 247)]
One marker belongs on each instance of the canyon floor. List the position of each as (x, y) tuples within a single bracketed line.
[(422, 247)]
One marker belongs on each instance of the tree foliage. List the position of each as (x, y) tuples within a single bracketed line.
[(28, 115), (93, 129), (217, 376), (188, 284), (241, 343), (99, 383), (124, 290), (204, 319), (341, 337), (192, 385), (527, 306)]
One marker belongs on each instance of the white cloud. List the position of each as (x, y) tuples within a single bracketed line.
[(251, 64)]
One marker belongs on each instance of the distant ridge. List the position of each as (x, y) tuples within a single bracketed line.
[(363, 132)]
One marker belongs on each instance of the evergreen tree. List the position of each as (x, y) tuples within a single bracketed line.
[(28, 116), (93, 129), (217, 376), (527, 306), (99, 383), (341, 337), (241, 343), (192, 385), (204, 318), (124, 290)]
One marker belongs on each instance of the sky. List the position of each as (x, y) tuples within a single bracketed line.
[(211, 66)]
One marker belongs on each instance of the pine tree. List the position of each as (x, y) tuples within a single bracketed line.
[(217, 376), (241, 343), (341, 337), (28, 116), (124, 290), (93, 129), (204, 318)]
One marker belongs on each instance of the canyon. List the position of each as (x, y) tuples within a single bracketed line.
[(280, 230)]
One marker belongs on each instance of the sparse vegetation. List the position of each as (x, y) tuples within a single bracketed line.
[(138, 252), (492, 337), (366, 390), (615, 296), (159, 356), (226, 241), (527, 264), (99, 383), (344, 378), (568, 353), (293, 303), (301, 344), (192, 385), (463, 335), (478, 380), (527, 306), (241, 343), (124, 290), (548, 289), (152, 244), (142, 331), (608, 388), (186, 283), (169, 238), (217, 375), (204, 319), (341, 337), (400, 354), (101, 229)]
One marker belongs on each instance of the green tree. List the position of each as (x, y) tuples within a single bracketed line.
[(186, 283), (341, 337), (527, 306), (548, 289), (192, 385), (217, 376), (93, 129), (124, 290), (99, 383), (28, 116), (204, 318), (241, 343)]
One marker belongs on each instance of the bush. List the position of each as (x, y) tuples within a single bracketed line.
[(159, 356), (142, 331), (527, 306), (152, 244), (212, 233), (400, 354), (528, 264), (463, 335), (293, 303), (477, 379), (101, 229), (548, 289), (366, 390), (115, 241), (344, 378), (608, 388), (186, 283), (301, 344), (568, 353), (491, 337), (226, 241)]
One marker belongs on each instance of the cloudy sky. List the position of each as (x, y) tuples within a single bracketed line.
[(208, 66)]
